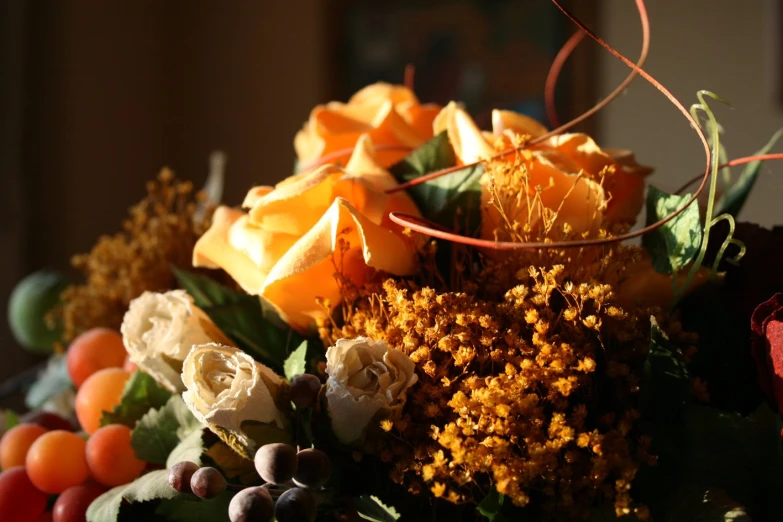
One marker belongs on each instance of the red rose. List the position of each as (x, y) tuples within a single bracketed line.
[(767, 349)]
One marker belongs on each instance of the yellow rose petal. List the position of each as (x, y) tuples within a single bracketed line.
[(306, 271), (503, 121), (213, 251), (465, 137)]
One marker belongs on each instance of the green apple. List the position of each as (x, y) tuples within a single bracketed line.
[(32, 298)]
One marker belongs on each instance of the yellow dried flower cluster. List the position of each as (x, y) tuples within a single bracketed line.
[(529, 370), (525, 209), (534, 391), (161, 231)]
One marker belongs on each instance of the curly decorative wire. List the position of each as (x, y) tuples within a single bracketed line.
[(425, 227), (635, 70), (734, 163), (554, 72), (431, 229)]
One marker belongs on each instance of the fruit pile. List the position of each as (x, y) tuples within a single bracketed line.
[(293, 481), (51, 471)]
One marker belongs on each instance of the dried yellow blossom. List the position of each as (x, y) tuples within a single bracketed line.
[(507, 379), (160, 232)]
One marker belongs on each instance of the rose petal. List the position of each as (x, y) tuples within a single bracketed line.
[(213, 250), (503, 121), (225, 387), (767, 348), (158, 331), (639, 284), (309, 266), (367, 379)]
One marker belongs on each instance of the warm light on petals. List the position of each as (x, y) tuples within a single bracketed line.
[(390, 114), (296, 239)]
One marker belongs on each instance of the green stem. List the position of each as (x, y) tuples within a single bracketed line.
[(679, 292)]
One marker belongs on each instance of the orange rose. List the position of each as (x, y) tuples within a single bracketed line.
[(585, 185), (287, 247), (638, 284), (390, 114)]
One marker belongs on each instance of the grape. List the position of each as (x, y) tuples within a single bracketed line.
[(276, 463), (100, 392), (56, 461), (181, 474), (94, 350), (304, 390), (251, 505), (20, 501), (46, 516), (207, 483), (16, 442), (314, 468), (110, 456), (47, 419), (72, 505), (296, 505)]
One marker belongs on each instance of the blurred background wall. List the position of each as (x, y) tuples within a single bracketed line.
[(98, 96), (734, 49)]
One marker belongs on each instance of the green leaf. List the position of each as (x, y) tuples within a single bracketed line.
[(206, 291), (732, 201), (11, 420), (141, 394), (161, 430), (194, 509), (673, 245), (371, 508), (439, 199), (453, 200), (296, 362), (435, 154), (190, 449), (152, 486), (491, 506), (53, 381), (241, 317), (665, 381)]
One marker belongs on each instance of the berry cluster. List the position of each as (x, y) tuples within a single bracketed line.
[(292, 480)]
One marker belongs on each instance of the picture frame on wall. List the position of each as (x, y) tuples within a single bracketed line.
[(485, 54)]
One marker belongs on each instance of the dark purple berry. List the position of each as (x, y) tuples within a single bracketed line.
[(180, 475), (207, 483), (276, 463), (251, 505), (304, 390), (296, 505), (313, 469)]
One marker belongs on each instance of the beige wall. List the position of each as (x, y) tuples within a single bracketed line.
[(726, 46)]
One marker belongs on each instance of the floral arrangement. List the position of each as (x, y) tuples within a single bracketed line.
[(427, 320)]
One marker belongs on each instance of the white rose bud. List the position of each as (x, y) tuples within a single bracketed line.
[(367, 381), (237, 397), (159, 330)]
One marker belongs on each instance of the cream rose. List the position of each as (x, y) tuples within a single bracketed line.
[(159, 329), (390, 114), (295, 237), (234, 395), (367, 380)]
